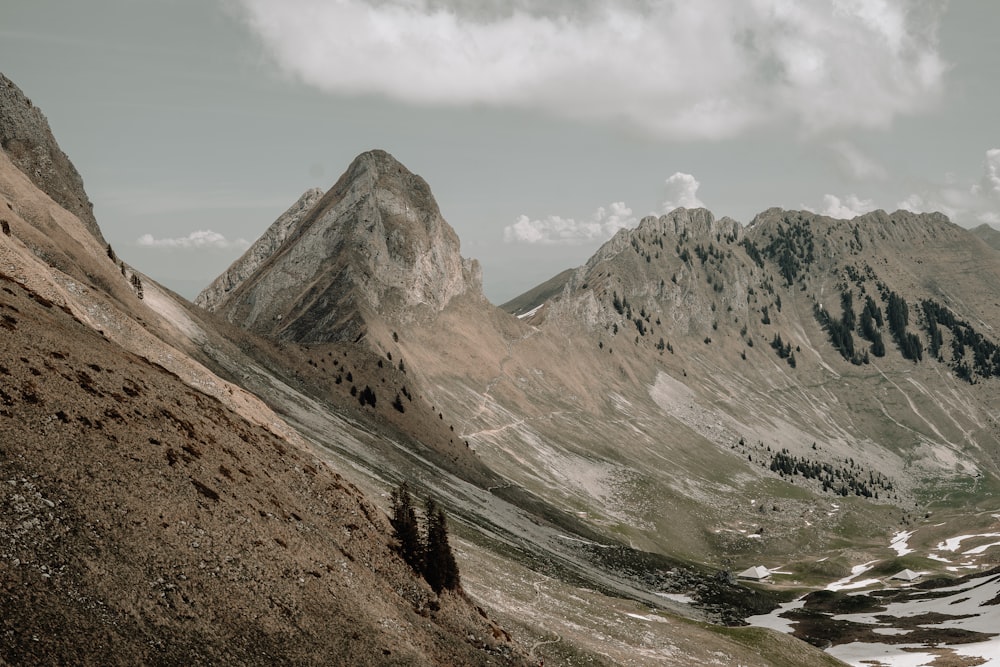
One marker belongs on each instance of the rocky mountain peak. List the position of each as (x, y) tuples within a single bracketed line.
[(375, 245), (26, 138)]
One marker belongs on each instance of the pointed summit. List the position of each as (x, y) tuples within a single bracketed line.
[(374, 247)]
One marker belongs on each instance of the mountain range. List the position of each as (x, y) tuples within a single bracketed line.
[(210, 482)]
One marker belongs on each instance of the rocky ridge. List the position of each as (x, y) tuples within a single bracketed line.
[(212, 297), (26, 137)]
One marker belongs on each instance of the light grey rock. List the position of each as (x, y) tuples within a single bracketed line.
[(375, 245), (213, 296)]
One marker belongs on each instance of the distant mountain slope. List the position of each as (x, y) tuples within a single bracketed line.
[(988, 234), (693, 368), (536, 296)]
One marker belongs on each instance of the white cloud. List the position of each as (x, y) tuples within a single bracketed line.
[(989, 185), (849, 207), (203, 238), (682, 191), (964, 204), (675, 69), (853, 162), (554, 229)]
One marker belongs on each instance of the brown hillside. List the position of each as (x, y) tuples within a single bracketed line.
[(144, 522)]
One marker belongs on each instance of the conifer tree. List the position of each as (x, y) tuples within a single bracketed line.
[(440, 568), (404, 523)]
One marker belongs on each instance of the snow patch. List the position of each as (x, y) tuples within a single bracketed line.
[(899, 542), (524, 316), (848, 583), (677, 597), (952, 544)]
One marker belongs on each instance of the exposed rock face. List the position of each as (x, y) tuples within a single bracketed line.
[(375, 244), (26, 138), (213, 296), (696, 223)]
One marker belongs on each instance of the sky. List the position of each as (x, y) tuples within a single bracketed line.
[(542, 126)]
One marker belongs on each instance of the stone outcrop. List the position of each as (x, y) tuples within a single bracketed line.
[(26, 138), (213, 296), (374, 245)]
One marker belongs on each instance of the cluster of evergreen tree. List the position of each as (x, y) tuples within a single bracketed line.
[(366, 397), (753, 252), (783, 349), (897, 316), (841, 331), (965, 342), (621, 305), (871, 326), (704, 253), (792, 248), (429, 553), (137, 284), (845, 480)]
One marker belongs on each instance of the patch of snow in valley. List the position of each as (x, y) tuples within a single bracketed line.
[(899, 542), (968, 607), (980, 549), (774, 620), (652, 619), (952, 544), (677, 597), (848, 583), (858, 653), (524, 316)]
